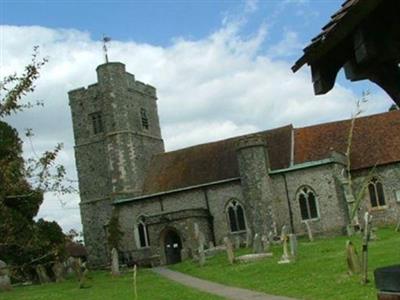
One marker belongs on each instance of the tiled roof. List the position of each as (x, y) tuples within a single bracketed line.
[(211, 162), (342, 23), (376, 140)]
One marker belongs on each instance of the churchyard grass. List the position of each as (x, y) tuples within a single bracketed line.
[(320, 271), (150, 286)]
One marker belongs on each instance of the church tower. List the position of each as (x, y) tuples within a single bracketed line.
[(117, 131)]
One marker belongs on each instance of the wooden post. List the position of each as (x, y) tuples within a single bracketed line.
[(366, 237)]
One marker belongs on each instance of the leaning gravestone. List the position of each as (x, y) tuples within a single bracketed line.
[(59, 271), (229, 250), (257, 245), (114, 262), (5, 282), (42, 274)]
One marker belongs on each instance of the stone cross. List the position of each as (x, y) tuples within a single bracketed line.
[(309, 232), (284, 238), (229, 250), (5, 282), (257, 245), (114, 262)]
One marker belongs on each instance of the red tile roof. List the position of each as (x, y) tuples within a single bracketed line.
[(211, 162), (376, 140)]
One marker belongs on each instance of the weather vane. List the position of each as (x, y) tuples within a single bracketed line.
[(106, 39)]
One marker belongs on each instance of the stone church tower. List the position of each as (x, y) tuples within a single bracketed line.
[(117, 131)]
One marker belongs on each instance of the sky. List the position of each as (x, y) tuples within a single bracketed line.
[(221, 69)]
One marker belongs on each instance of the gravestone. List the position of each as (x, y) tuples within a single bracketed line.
[(257, 244), (249, 238), (84, 276), (5, 282), (353, 261), (265, 243), (284, 238), (202, 256), (293, 245), (229, 250), (309, 231), (365, 241), (75, 264), (274, 229), (237, 242), (114, 262), (42, 274), (211, 245), (184, 254), (59, 271)]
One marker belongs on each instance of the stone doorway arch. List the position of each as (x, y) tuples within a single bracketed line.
[(172, 246)]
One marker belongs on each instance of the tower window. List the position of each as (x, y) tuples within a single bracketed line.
[(376, 194), (144, 118), (236, 216), (308, 204), (97, 122)]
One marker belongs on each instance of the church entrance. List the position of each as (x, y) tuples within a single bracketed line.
[(172, 247)]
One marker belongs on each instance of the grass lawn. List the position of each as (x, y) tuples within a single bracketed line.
[(150, 287), (319, 273)]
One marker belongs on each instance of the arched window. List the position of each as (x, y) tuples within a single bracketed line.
[(144, 240), (308, 204), (376, 194), (236, 217)]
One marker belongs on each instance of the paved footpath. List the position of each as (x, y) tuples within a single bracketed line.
[(228, 292)]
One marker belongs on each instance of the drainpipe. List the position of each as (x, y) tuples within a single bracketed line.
[(289, 204)]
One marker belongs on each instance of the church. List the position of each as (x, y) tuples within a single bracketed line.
[(252, 183)]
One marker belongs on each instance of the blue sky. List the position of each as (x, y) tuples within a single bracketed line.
[(221, 68)]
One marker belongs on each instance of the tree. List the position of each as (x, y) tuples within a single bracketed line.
[(24, 241)]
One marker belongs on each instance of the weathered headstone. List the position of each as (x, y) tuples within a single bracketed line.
[(274, 229), (293, 245), (257, 245), (84, 276), (42, 274), (184, 254), (5, 282), (202, 256), (309, 231), (211, 245), (249, 238), (59, 271), (114, 262), (265, 243), (76, 266), (229, 250), (284, 238), (237, 242), (353, 261), (271, 237)]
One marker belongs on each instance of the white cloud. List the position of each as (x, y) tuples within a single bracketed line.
[(208, 89)]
